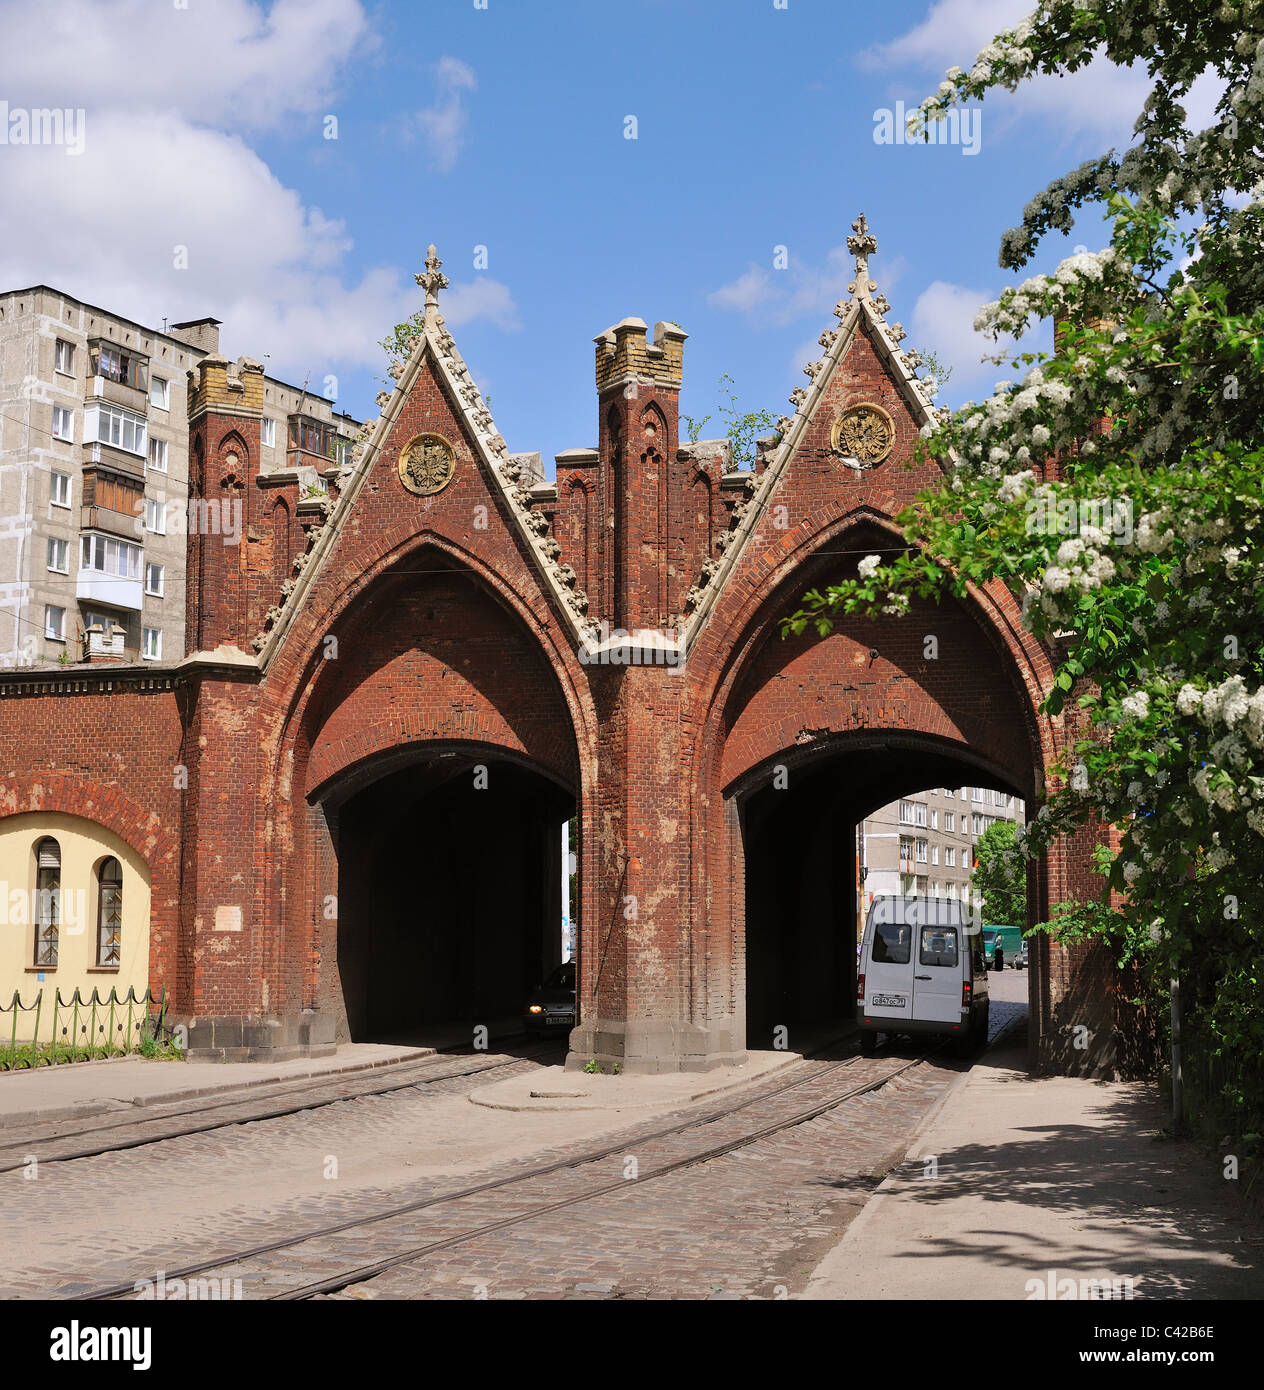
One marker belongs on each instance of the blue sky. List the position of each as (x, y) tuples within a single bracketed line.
[(504, 127)]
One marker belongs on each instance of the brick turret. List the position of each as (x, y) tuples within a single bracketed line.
[(223, 599), (638, 391)]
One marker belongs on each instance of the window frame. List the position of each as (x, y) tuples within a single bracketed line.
[(53, 543), (58, 476), (68, 413), (47, 929), (60, 634), (116, 899), (161, 447), (66, 368), (145, 634), (92, 541), (161, 590)]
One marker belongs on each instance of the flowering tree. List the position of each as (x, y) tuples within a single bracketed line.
[(1117, 487)]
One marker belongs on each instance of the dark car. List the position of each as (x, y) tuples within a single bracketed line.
[(552, 1004), (1021, 962)]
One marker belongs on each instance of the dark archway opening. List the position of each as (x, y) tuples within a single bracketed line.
[(804, 897), (450, 896)]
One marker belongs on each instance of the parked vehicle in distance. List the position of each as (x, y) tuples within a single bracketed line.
[(1009, 942), (1021, 962), (552, 1005), (921, 971), (993, 951)]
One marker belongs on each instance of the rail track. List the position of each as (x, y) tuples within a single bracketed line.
[(579, 1176), (133, 1131)]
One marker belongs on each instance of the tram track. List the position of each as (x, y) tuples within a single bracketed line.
[(316, 1094), (235, 1264)]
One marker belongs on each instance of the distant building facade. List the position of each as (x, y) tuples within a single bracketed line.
[(94, 476), (924, 843)]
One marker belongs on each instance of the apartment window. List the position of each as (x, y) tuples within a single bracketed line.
[(934, 854), (952, 890), (948, 794), (906, 813), (158, 455), (934, 820), (54, 623), (155, 579), (159, 392), (950, 856), (63, 424), (151, 648), (267, 434), (977, 823), (997, 799), (58, 555), (906, 847), (109, 556), (120, 428), (921, 851), (965, 793), (919, 811), (117, 364), (59, 491), (47, 902), (950, 820), (155, 517), (976, 794), (109, 913), (64, 357)]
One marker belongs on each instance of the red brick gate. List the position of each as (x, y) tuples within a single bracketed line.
[(350, 794)]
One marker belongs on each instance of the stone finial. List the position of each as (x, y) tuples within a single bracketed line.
[(432, 281), (862, 245)]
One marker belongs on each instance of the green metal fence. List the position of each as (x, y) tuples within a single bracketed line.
[(55, 1030)]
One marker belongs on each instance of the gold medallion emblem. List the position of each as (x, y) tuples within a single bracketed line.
[(865, 433), (427, 464)]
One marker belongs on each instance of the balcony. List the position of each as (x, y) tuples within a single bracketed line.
[(118, 374), (123, 460), (105, 388), (129, 525), (315, 443), (110, 589)]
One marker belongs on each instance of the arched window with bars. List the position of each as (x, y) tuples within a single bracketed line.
[(47, 902), (109, 914)]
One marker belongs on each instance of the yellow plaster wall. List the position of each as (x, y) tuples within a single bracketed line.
[(83, 845)]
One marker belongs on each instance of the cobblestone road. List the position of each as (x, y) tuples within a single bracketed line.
[(752, 1223)]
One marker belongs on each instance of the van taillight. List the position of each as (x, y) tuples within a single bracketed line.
[(860, 988), (965, 994)]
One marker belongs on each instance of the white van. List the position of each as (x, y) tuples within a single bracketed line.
[(921, 970)]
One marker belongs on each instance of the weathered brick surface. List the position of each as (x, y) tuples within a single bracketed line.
[(427, 626)]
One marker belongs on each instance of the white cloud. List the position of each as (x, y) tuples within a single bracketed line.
[(1099, 99), (943, 322), (443, 126), (783, 296), (158, 173), (233, 64)]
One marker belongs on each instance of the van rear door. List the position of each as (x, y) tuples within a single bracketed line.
[(887, 964), (938, 973)]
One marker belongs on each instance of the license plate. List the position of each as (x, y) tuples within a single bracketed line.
[(888, 1001), (558, 1018)]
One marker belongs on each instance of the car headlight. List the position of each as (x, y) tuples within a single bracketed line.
[(535, 1009)]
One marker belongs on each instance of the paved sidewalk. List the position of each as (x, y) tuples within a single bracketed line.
[(91, 1088), (1041, 1175)]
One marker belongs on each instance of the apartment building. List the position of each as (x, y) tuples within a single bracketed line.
[(924, 843), (94, 476)]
